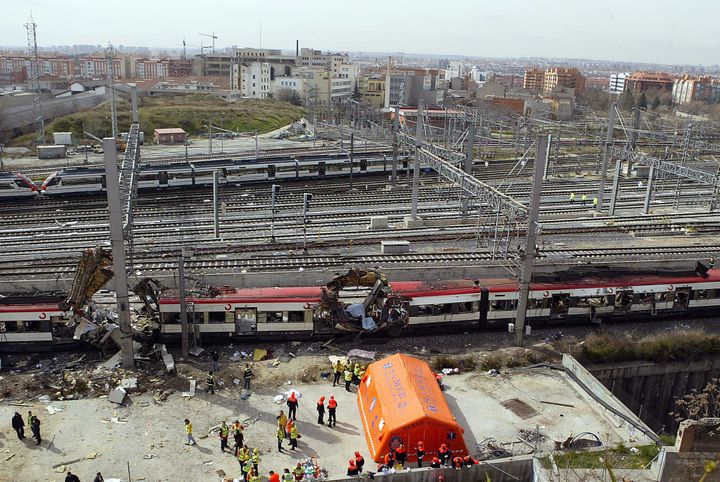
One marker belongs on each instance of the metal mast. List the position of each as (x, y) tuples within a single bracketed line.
[(110, 56), (35, 72)]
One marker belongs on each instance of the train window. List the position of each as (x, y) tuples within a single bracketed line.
[(7, 185), (32, 326), (171, 318), (8, 326), (54, 181), (701, 294), (274, 316), (502, 305), (296, 316), (217, 317), (80, 181)]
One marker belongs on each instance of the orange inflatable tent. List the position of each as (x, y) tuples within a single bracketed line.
[(400, 401)]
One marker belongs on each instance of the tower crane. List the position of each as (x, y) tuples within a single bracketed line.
[(212, 36)]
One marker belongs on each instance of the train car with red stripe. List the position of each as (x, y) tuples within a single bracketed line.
[(28, 323), (481, 303), (14, 185)]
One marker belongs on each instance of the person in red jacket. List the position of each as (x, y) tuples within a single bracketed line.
[(468, 461), (332, 407), (457, 463), (390, 460), (435, 463), (420, 452), (321, 410), (359, 461), (273, 477), (444, 454), (352, 468), (401, 454), (292, 404)]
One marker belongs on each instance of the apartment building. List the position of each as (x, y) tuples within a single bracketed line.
[(690, 89), (569, 78), (252, 79), (617, 82), (534, 80), (639, 82)]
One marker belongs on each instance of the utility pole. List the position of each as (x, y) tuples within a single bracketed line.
[(528, 257), (2, 165), (416, 164), (273, 194), (352, 157), (110, 55), (183, 307), (257, 150), (216, 203), (118, 251), (31, 27), (636, 127), (210, 135), (306, 204), (606, 156), (468, 166), (396, 128), (134, 104)]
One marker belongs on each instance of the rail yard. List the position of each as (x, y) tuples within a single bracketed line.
[(474, 231)]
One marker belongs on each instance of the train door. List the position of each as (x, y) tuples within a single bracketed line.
[(559, 306), (271, 171), (682, 298), (245, 320), (483, 306), (624, 300), (321, 169), (363, 165), (163, 179)]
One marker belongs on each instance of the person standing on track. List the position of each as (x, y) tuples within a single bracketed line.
[(215, 361), (247, 376), (280, 437), (337, 372), (237, 432), (224, 434), (211, 382)]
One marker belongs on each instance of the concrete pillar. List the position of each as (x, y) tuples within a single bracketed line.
[(416, 164), (615, 187), (648, 191), (134, 104), (118, 251), (216, 204), (606, 156), (528, 258), (183, 308), (396, 128)]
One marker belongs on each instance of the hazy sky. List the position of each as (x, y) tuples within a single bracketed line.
[(662, 31)]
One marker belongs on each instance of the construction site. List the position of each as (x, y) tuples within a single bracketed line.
[(437, 271)]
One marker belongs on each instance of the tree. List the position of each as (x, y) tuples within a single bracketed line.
[(626, 101), (642, 102), (655, 103), (356, 93), (288, 95)]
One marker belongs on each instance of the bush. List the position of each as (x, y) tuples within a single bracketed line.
[(666, 347), (466, 364), (490, 362)]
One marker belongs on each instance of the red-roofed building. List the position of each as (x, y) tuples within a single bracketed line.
[(173, 135)]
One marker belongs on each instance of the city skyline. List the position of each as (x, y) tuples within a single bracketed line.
[(646, 32)]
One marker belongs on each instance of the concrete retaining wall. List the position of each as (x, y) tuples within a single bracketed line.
[(650, 389), (677, 466), (599, 390), (517, 469)]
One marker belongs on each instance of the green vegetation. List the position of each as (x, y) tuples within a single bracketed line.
[(667, 347), (466, 364), (189, 112), (620, 457)]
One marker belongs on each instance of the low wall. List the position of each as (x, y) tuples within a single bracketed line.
[(675, 466), (517, 469)]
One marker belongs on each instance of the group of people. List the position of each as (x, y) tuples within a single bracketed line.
[(583, 199), (352, 374), (18, 424), (396, 458)]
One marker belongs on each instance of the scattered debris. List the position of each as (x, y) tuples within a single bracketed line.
[(91, 455), (356, 353), (9, 457), (129, 384), (197, 351), (235, 357), (547, 402), (167, 359), (191, 392), (117, 395)]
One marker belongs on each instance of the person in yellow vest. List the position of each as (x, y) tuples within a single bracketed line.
[(244, 457), (282, 421), (287, 476), (246, 469), (280, 437), (224, 434), (583, 199), (254, 476), (298, 472), (348, 378), (255, 459), (188, 432), (294, 436), (595, 202), (361, 374), (337, 372), (572, 198), (356, 372)]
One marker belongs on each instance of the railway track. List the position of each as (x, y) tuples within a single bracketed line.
[(272, 263)]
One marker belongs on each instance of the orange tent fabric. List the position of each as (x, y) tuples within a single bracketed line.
[(400, 401)]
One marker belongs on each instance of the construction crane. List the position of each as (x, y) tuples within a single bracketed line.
[(212, 36), (35, 72)]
